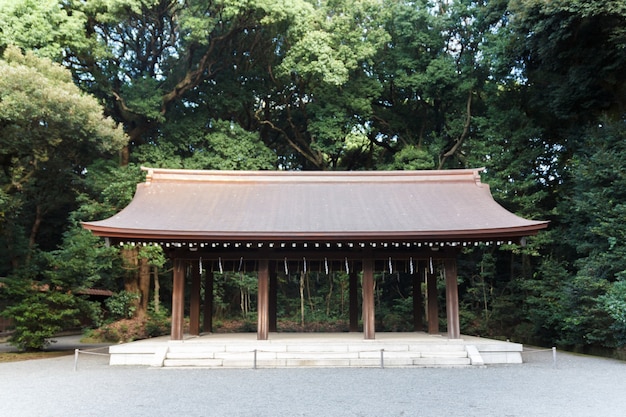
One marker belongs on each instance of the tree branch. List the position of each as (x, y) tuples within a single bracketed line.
[(459, 141)]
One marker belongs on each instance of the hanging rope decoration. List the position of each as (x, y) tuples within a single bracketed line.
[(432, 271), (347, 266), (240, 264), (326, 265), (390, 266), (200, 265), (219, 265), (304, 259), (411, 265), (286, 267)]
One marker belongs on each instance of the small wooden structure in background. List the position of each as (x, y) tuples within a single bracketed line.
[(265, 220)]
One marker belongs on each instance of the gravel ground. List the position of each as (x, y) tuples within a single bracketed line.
[(578, 386)]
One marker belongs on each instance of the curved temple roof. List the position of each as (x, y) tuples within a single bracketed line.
[(264, 206)]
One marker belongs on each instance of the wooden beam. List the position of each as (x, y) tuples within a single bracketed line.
[(178, 299), (207, 322), (263, 300), (353, 291), (368, 299), (315, 255), (452, 299), (433, 304)]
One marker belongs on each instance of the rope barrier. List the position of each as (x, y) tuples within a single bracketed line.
[(88, 352), (553, 349)]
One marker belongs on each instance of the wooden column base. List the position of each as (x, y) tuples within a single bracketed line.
[(178, 299), (263, 320)]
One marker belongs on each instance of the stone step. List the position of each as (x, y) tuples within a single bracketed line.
[(314, 356), (319, 362), (322, 348), (316, 350)]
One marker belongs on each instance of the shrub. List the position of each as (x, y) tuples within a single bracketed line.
[(41, 315), (122, 305)]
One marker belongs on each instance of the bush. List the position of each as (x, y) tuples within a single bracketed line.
[(158, 323), (41, 315), (130, 329), (122, 305)]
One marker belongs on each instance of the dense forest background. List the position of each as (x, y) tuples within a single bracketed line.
[(532, 90)]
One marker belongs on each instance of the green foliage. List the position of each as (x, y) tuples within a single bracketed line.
[(614, 304), (42, 26), (412, 157), (82, 261), (124, 330), (49, 132), (158, 322), (41, 314), (122, 305), (573, 58)]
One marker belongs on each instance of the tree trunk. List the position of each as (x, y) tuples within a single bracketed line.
[(157, 289), (136, 278), (144, 287), (34, 230), (329, 296)]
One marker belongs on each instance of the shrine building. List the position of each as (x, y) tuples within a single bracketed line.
[(274, 221)]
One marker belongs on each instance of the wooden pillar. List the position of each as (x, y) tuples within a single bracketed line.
[(452, 299), (178, 299), (207, 322), (353, 301), (194, 300), (418, 304), (273, 299), (263, 300), (433, 305), (368, 299)]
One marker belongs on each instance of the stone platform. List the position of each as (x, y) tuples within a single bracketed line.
[(283, 350)]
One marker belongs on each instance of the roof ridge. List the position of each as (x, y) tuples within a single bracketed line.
[(164, 174)]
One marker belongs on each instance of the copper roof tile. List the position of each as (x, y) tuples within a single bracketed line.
[(279, 205)]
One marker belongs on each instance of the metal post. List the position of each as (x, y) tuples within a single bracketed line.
[(554, 356), (382, 359), (75, 359), (254, 358)]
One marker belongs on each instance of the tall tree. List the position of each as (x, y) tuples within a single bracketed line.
[(319, 103), (49, 132), (158, 52)]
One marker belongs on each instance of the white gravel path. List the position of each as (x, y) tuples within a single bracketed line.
[(578, 386)]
